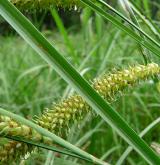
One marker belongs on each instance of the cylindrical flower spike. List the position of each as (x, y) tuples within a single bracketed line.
[(45, 4), (61, 115), (12, 150), (110, 84), (9, 127)]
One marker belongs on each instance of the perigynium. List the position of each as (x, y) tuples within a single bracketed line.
[(156, 147), (60, 116)]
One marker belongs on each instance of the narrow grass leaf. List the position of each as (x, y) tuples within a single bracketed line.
[(143, 133), (155, 48)]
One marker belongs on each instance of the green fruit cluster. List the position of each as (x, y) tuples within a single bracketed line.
[(12, 150), (44, 4)]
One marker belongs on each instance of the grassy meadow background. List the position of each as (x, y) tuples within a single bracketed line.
[(94, 47)]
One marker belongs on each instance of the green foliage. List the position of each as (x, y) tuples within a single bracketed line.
[(34, 85)]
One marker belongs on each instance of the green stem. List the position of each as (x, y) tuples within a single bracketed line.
[(47, 147)]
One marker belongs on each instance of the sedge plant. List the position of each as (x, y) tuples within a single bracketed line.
[(60, 117), (40, 44)]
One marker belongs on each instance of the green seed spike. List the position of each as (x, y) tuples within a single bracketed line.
[(60, 116), (10, 127), (45, 4), (73, 108), (64, 113), (12, 150)]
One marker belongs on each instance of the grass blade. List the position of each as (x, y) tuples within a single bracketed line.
[(130, 22), (144, 132), (146, 20), (130, 32), (44, 146), (63, 32)]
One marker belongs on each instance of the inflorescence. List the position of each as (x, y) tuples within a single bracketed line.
[(45, 4), (13, 149)]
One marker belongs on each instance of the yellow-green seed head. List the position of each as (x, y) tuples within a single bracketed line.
[(12, 151), (61, 115), (45, 4), (110, 84), (9, 127)]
